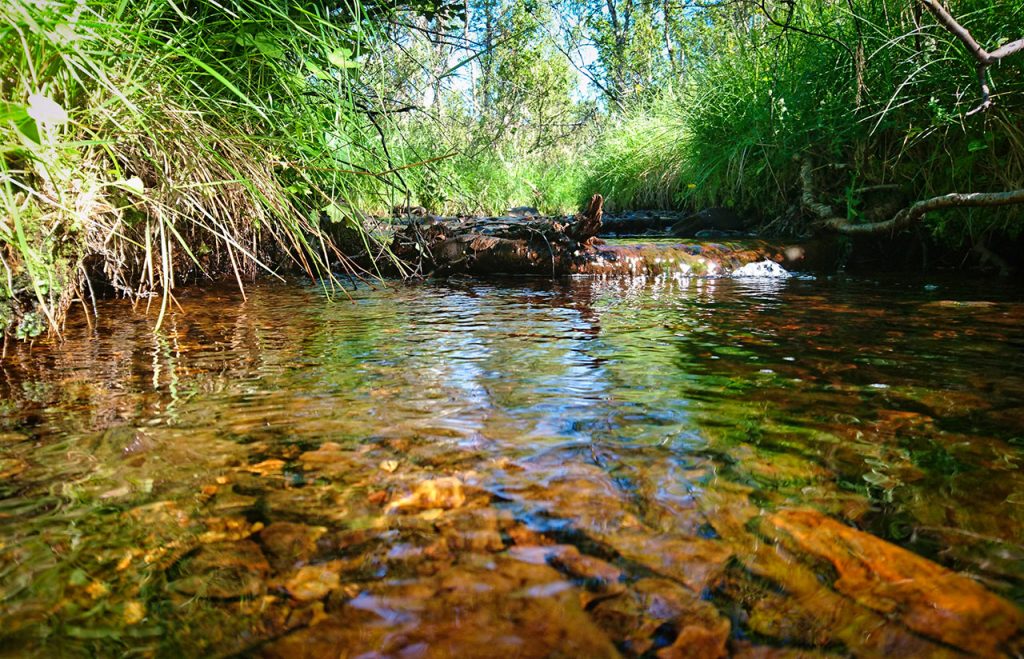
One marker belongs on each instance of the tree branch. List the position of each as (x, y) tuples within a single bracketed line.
[(787, 24), (983, 57)]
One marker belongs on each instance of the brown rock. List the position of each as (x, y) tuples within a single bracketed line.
[(696, 562), (594, 572), (926, 597), (288, 544), (474, 529), (747, 650), (446, 493), (813, 614), (266, 468), (224, 570), (700, 641), (501, 607), (635, 619), (330, 460), (312, 582)]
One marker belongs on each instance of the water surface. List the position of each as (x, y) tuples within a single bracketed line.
[(531, 468)]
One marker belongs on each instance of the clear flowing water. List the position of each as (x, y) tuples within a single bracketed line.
[(522, 468)]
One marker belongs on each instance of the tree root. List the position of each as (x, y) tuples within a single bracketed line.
[(912, 214), (830, 220)]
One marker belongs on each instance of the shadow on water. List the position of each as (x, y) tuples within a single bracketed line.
[(587, 467)]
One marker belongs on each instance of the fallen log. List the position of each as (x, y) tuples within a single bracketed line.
[(558, 247)]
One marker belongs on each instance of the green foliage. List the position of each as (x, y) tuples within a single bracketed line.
[(765, 98), (511, 135), (153, 144)]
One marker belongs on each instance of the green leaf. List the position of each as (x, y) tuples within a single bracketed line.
[(268, 46), (341, 58), (28, 127), (335, 214), (78, 578), (977, 145), (92, 633), (313, 68), (12, 112)]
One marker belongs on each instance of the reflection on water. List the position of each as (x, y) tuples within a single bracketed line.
[(585, 468)]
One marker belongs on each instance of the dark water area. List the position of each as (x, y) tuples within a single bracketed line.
[(521, 468)]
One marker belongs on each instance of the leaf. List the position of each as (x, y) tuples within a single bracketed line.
[(313, 68), (92, 633), (46, 111), (30, 129), (339, 215), (977, 145), (877, 479), (341, 58), (12, 112), (335, 214), (268, 46), (298, 189), (133, 184)]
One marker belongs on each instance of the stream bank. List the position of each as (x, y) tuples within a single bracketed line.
[(656, 244)]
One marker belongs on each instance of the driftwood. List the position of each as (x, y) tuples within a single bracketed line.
[(498, 244), (558, 247)]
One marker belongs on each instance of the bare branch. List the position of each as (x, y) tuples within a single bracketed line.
[(787, 24), (983, 57)]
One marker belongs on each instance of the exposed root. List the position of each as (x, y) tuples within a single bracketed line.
[(912, 214)]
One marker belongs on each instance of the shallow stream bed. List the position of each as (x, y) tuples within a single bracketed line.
[(521, 468)]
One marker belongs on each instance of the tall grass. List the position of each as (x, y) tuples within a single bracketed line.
[(751, 113), (493, 180), (148, 143)]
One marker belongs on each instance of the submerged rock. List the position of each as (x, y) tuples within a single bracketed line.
[(445, 493), (695, 562), (501, 607), (313, 582), (287, 543), (923, 595), (224, 570), (662, 616)]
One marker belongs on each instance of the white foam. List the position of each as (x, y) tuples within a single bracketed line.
[(761, 270)]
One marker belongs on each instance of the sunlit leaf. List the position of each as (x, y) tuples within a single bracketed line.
[(313, 68), (12, 112), (46, 111), (341, 58), (133, 184), (268, 46)]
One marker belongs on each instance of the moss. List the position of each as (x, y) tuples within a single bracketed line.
[(30, 326)]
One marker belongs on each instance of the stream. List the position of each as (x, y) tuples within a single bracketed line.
[(521, 467)]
